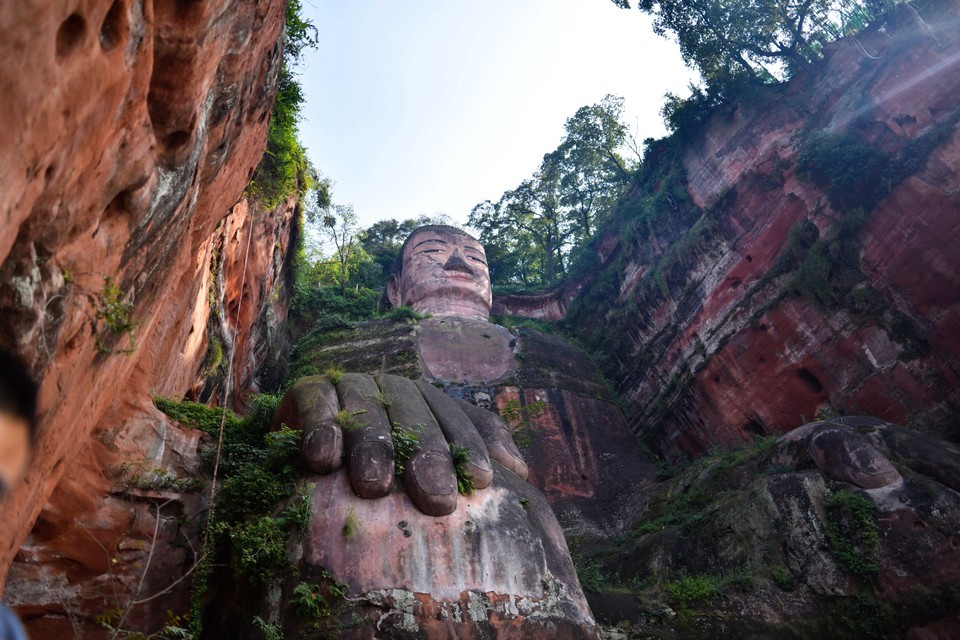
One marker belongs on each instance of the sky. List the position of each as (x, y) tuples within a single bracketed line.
[(432, 106)]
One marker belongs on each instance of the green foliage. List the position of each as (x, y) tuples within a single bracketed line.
[(461, 456), (116, 316), (531, 230), (257, 472), (347, 420), (591, 576), (146, 477), (404, 314), (703, 588), (313, 601), (259, 547), (299, 511), (282, 445), (195, 415), (406, 444), (214, 356), (284, 170), (329, 306), (853, 533), (351, 525), (269, 631), (859, 616), (520, 418), (335, 373), (685, 117), (782, 577), (338, 225), (253, 489), (309, 601), (852, 173), (764, 40), (688, 590), (687, 509)]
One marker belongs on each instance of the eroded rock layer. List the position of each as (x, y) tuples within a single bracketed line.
[(130, 131), (797, 256)]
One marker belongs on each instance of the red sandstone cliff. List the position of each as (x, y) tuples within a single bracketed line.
[(699, 324), (129, 133)]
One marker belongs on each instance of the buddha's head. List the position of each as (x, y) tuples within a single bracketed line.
[(442, 271)]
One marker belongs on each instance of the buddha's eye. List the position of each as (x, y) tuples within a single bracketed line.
[(432, 251)]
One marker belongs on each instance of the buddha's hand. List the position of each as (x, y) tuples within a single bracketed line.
[(391, 426)]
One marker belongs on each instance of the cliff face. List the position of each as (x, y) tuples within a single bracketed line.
[(130, 131), (748, 287)]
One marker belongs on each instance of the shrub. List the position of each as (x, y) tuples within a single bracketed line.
[(259, 547), (852, 531), (852, 173), (116, 315), (335, 373), (351, 525), (406, 443), (591, 577), (405, 314), (688, 590), (461, 455)]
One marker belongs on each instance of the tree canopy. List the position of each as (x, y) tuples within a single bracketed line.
[(763, 39), (529, 232)]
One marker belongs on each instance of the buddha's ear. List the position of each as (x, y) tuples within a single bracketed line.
[(393, 290)]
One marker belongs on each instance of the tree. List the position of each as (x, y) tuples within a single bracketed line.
[(339, 227), (530, 230), (763, 39), (526, 217), (588, 164)]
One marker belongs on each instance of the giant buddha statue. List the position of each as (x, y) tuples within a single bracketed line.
[(421, 554)]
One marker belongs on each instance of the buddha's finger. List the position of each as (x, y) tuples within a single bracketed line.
[(366, 434), (311, 406), (460, 432), (498, 438), (428, 472)]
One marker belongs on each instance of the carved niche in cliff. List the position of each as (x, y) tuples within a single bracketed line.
[(417, 552)]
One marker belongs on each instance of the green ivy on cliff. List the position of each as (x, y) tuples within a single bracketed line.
[(284, 169), (257, 472), (852, 531)]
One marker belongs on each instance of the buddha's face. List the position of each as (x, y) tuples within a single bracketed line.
[(444, 274)]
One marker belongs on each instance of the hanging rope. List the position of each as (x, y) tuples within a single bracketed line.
[(226, 392)]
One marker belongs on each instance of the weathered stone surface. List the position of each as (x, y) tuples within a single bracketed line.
[(458, 350), (711, 347), (845, 455), (577, 448), (547, 305), (311, 406), (499, 545), (130, 130), (763, 521)]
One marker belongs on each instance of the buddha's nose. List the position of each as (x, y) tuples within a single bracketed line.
[(457, 263)]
